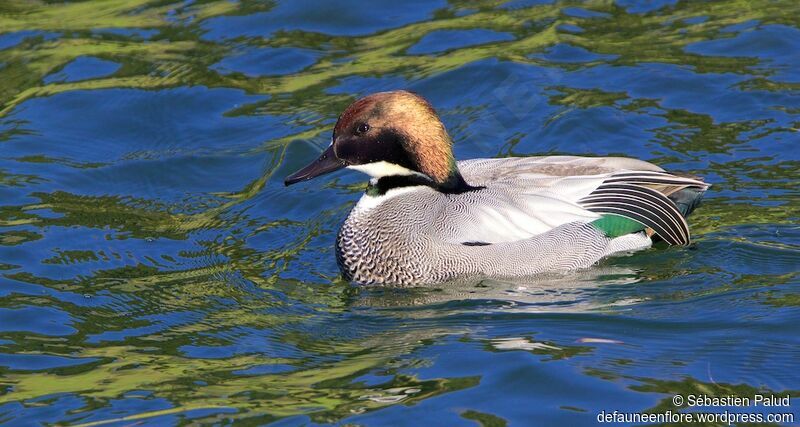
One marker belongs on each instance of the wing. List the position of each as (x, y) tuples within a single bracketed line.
[(495, 215), (644, 197), (518, 169), (525, 197)]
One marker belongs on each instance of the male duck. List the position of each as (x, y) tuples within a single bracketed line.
[(426, 218)]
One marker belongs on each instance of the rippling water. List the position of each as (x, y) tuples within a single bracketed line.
[(154, 270)]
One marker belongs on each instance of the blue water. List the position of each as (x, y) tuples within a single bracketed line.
[(155, 271)]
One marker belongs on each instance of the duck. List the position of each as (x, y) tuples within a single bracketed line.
[(426, 218)]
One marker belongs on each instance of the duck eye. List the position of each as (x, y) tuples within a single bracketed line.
[(362, 128)]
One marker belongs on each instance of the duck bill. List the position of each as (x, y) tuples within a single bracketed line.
[(326, 163)]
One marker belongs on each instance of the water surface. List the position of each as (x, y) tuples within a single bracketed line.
[(154, 270)]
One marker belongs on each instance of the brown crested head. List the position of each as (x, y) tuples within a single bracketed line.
[(371, 125), (391, 134)]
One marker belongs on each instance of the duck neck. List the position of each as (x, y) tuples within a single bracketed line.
[(455, 183)]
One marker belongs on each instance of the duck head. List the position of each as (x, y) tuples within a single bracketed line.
[(391, 136)]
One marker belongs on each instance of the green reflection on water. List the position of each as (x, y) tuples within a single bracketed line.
[(177, 56)]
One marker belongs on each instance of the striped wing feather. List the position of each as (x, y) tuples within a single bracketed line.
[(643, 197)]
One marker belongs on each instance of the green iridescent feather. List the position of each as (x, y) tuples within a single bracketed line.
[(614, 225)]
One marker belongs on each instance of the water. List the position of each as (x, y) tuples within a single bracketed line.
[(154, 269)]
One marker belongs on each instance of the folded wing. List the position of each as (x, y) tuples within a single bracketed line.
[(529, 196), (645, 197)]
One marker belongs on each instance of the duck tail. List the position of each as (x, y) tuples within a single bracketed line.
[(687, 199)]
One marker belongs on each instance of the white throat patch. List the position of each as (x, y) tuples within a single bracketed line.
[(383, 168)]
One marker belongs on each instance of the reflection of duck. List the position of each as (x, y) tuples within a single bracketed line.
[(568, 292), (426, 218)]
